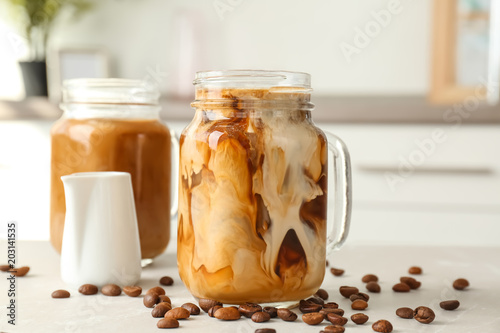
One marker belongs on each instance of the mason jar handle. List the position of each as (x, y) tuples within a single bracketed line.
[(341, 216), (174, 189)]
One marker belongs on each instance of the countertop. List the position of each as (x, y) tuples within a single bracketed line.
[(479, 310)]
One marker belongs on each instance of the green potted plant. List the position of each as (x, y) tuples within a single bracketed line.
[(36, 18)]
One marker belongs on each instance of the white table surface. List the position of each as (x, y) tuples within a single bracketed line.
[(479, 310)]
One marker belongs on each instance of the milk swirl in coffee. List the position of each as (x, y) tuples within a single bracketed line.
[(252, 196)]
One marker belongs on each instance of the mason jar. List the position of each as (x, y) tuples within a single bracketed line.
[(253, 185), (114, 125)]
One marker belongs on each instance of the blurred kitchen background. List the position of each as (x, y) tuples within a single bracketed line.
[(410, 86)]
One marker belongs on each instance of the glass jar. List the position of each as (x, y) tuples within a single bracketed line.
[(114, 125), (253, 189)]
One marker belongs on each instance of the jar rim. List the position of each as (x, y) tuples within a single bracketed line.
[(110, 91), (253, 79)]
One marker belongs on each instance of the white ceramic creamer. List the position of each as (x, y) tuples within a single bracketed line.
[(101, 239)]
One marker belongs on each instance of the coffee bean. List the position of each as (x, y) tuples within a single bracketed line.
[(362, 296), (415, 270), (424, 315), (206, 304), (369, 278), (449, 305), (160, 309), (336, 271), (333, 329), (230, 313), (265, 330), (132, 291), (88, 289), (336, 319), (248, 309), (213, 309), (326, 311), (401, 288), (164, 298), (4, 268), (331, 305), (327, 263), (411, 282), (156, 290), (359, 304), (21, 271), (347, 291), (111, 290), (271, 310), (260, 317), (176, 313), (359, 318), (460, 284), (166, 281), (150, 300), (60, 294), (307, 306), (192, 308), (161, 301), (312, 318), (406, 313), (373, 287), (316, 299), (382, 326), (286, 315), (322, 293), (167, 323), (339, 311)]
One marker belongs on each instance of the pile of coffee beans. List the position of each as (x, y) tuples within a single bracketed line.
[(315, 310), (422, 314)]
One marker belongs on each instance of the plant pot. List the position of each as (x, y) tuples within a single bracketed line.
[(34, 77)]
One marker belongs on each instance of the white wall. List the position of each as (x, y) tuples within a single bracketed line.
[(10, 73), (180, 37)]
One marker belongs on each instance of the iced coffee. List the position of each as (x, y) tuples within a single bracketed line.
[(140, 147), (114, 125), (252, 196)]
